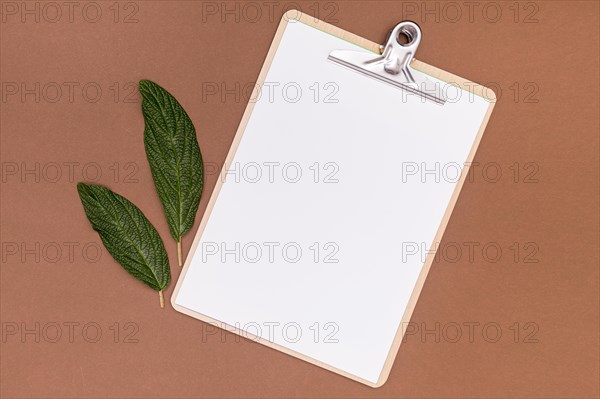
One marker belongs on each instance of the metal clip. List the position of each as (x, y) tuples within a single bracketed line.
[(393, 65)]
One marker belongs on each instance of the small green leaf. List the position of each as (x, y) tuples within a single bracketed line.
[(174, 156), (127, 235)]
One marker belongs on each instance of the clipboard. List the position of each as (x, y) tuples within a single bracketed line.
[(322, 228)]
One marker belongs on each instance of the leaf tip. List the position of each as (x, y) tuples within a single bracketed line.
[(145, 84), (82, 187)]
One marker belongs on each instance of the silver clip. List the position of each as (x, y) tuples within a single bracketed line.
[(393, 65)]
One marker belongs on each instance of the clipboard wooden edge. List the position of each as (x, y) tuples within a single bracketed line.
[(485, 92)]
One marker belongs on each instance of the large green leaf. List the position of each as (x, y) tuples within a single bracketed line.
[(127, 235), (174, 156)]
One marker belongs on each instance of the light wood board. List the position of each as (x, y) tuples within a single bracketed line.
[(464, 84)]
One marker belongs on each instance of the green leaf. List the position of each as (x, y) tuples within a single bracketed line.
[(174, 156), (127, 235)]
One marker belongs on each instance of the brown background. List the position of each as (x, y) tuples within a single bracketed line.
[(543, 62)]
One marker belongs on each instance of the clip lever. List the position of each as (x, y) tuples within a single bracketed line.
[(393, 65)]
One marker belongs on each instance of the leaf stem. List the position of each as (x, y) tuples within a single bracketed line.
[(179, 257), (161, 298)]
